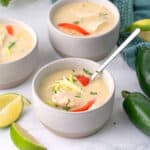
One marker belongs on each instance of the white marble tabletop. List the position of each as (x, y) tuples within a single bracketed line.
[(120, 136)]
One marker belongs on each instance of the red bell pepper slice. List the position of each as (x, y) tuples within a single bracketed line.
[(74, 27), (83, 80), (84, 107), (10, 29)]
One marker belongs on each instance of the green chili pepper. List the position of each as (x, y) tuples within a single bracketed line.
[(137, 106), (143, 69)]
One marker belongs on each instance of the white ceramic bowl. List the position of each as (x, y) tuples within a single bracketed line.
[(72, 124), (93, 47), (15, 72)]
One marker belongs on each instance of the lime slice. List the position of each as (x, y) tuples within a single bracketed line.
[(143, 24), (6, 98), (145, 36), (23, 140), (10, 111)]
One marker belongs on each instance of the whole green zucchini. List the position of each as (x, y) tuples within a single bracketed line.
[(143, 68), (137, 106)]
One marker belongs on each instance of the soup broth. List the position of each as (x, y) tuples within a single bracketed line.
[(15, 42), (71, 90), (84, 18)]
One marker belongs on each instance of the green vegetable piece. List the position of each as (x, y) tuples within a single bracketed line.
[(4, 2), (71, 78), (67, 108), (68, 102), (102, 14), (93, 93), (78, 95), (76, 22), (11, 45), (137, 107), (87, 72), (56, 88), (143, 68)]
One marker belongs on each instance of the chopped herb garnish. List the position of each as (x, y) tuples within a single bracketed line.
[(67, 108), (93, 93), (76, 22), (102, 14), (11, 45), (71, 78), (8, 49), (68, 102), (87, 72), (55, 91), (78, 95)]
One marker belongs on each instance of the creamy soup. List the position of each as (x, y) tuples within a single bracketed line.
[(15, 42), (71, 90), (84, 18)]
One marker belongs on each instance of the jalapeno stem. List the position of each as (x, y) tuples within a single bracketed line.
[(125, 94)]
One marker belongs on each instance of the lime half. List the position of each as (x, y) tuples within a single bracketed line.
[(10, 110), (22, 139)]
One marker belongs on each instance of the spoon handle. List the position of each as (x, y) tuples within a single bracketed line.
[(116, 52)]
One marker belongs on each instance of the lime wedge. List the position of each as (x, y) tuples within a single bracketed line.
[(6, 98), (145, 35), (5, 2), (10, 111), (22, 139), (143, 24), (26, 102)]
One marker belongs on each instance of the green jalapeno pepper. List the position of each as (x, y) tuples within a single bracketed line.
[(137, 106), (143, 69)]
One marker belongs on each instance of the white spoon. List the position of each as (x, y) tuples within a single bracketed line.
[(116, 52)]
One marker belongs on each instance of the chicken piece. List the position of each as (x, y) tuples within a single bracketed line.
[(63, 99), (92, 23)]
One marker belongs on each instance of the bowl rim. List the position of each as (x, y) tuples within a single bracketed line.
[(26, 27), (34, 92), (50, 22)]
